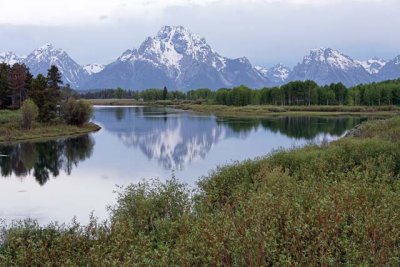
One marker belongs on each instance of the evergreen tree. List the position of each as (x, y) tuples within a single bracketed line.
[(37, 94), (52, 95), (17, 84), (165, 93), (54, 78), (5, 99)]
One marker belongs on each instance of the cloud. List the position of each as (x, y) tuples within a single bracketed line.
[(67, 12)]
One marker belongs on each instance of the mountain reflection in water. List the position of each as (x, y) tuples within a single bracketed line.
[(57, 180), (175, 138), (172, 138)]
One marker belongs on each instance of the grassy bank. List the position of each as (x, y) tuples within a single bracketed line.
[(132, 102), (257, 110), (317, 206), (267, 110), (11, 131)]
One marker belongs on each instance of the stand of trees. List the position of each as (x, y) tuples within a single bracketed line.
[(17, 84), (146, 95), (294, 93)]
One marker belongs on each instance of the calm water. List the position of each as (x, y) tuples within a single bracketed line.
[(57, 180)]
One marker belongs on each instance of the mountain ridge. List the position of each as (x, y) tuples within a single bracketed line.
[(179, 59)]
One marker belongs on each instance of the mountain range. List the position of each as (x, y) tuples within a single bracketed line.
[(180, 59)]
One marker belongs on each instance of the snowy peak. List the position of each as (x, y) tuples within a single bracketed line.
[(170, 46), (326, 65), (391, 70), (9, 58), (46, 52), (374, 65), (179, 59), (278, 73), (93, 68), (262, 70), (42, 58), (330, 57), (183, 40)]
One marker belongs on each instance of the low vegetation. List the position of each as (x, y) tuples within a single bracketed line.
[(39, 108), (76, 112), (12, 128), (270, 110), (330, 205)]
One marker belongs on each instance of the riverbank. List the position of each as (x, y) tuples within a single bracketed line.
[(266, 110), (329, 205), (258, 111), (11, 131)]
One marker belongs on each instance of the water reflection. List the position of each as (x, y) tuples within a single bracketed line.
[(135, 144), (172, 138), (45, 159), (175, 139), (298, 127)]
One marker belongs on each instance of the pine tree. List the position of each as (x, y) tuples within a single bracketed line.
[(54, 78), (5, 100), (17, 84), (37, 94), (165, 93), (51, 96)]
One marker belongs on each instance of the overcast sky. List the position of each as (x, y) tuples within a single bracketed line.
[(265, 31)]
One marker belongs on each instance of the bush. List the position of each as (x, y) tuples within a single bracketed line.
[(29, 112), (335, 205), (76, 112)]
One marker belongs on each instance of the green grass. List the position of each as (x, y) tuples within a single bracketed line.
[(257, 110), (9, 116), (332, 205), (11, 131), (268, 110)]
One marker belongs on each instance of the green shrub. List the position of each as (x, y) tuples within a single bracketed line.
[(76, 112), (335, 205), (29, 112)]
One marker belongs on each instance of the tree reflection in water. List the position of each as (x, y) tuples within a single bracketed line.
[(296, 126), (175, 138), (45, 159)]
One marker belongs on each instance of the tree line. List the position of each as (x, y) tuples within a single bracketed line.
[(41, 98), (151, 94), (293, 93)]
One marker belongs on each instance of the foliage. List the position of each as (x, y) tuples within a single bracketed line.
[(44, 160), (76, 112), (29, 112), (330, 205), (165, 93), (296, 93)]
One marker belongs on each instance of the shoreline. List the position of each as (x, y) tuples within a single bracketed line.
[(343, 192), (45, 133), (256, 111)]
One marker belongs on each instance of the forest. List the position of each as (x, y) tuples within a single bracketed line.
[(297, 93), (42, 98)]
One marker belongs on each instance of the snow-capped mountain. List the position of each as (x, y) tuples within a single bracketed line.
[(9, 58), (41, 59), (277, 75), (93, 68), (178, 59), (374, 65), (391, 70), (262, 70), (325, 66)]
